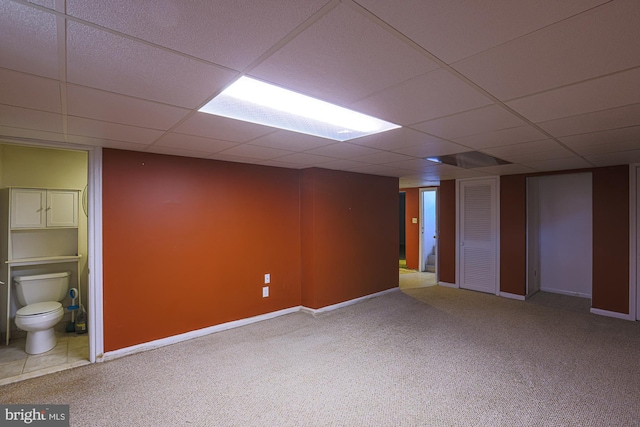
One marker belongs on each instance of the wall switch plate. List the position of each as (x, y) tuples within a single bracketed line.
[(414, 220), (267, 278), (265, 291)]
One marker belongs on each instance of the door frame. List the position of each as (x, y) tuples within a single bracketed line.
[(94, 239), (496, 206), (421, 256)]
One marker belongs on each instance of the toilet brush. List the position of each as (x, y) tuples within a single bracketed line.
[(73, 294)]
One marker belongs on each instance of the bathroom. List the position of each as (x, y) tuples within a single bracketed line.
[(28, 167)]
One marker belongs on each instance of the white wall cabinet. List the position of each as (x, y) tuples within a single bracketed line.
[(39, 233), (35, 208)]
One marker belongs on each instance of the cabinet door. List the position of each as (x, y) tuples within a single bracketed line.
[(62, 208), (28, 208)]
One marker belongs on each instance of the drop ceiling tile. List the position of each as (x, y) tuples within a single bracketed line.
[(117, 64), (216, 127), (49, 4), (480, 120), (176, 151), (612, 159), (342, 164), (453, 30), (343, 150), (382, 157), (192, 143), (603, 137), (341, 58), (107, 143), (29, 40), (235, 159), (111, 107), (597, 42), (291, 141), (111, 131), (429, 149), (506, 169), (304, 159), (611, 147), (395, 139), (254, 152), (380, 170), (610, 119), (431, 95), (30, 119), (420, 165), (559, 153), (611, 91), (33, 134), (567, 163), (502, 137), (29, 91), (524, 148), (192, 27), (277, 164)]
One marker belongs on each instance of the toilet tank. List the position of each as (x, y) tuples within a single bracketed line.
[(42, 287)]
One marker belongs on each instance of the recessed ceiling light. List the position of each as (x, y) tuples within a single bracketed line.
[(254, 101)]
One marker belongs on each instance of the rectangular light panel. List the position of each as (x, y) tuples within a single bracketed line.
[(254, 101)]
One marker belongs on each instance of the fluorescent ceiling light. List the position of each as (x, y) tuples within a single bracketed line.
[(254, 101), (469, 160)]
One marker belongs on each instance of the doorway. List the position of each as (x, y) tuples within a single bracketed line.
[(429, 230), (57, 166), (403, 229), (559, 234)]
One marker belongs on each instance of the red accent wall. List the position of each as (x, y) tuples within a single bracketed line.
[(349, 235), (447, 237), (611, 239), (412, 234), (513, 235), (186, 242)]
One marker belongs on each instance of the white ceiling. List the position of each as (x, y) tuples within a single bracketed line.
[(546, 84)]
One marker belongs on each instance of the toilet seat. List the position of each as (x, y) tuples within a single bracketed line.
[(39, 308)]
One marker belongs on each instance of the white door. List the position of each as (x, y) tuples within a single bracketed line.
[(478, 235)]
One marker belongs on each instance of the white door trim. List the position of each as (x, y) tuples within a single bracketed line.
[(496, 180), (94, 237)]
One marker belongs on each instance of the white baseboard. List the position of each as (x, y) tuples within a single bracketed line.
[(193, 334), (615, 314), (512, 296), (563, 292), (315, 311), (448, 285), (110, 355)]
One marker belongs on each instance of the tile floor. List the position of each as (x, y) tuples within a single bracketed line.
[(15, 365)]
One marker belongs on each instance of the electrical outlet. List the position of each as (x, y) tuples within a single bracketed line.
[(265, 291), (267, 278)]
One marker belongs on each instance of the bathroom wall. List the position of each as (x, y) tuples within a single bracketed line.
[(37, 167)]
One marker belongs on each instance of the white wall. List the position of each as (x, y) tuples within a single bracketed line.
[(565, 233)]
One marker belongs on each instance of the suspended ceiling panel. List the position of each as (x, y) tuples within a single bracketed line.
[(549, 85)]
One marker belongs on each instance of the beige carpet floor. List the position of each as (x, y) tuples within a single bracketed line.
[(428, 356)]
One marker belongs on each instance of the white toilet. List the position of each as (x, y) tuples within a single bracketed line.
[(40, 296)]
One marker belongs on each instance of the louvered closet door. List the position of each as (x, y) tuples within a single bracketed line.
[(478, 235)]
